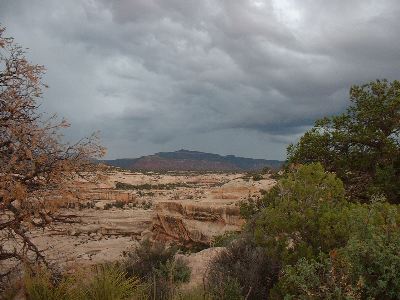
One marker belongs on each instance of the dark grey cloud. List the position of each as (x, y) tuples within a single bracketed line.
[(242, 77)]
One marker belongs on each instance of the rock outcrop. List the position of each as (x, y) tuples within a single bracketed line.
[(199, 264), (184, 207), (192, 224)]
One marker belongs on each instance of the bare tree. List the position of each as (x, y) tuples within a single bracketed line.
[(37, 169)]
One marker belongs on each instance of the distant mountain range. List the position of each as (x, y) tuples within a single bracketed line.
[(186, 160)]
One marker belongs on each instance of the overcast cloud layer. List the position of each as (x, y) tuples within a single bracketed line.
[(230, 77)]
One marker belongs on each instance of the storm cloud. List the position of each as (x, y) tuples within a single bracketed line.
[(230, 77)]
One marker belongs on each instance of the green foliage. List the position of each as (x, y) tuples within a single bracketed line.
[(257, 177), (111, 283), (366, 268), (225, 239), (228, 289), (106, 282), (300, 215), (242, 268), (321, 278), (192, 294), (119, 204), (322, 246), (147, 205), (174, 270), (362, 145), (156, 264), (266, 170), (307, 184), (250, 207), (39, 285), (147, 257)]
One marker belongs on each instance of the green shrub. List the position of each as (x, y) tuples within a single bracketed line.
[(40, 285), (250, 207), (147, 257), (108, 206), (243, 265), (320, 278), (104, 282), (228, 289), (328, 248), (124, 186), (156, 264), (266, 170), (174, 270), (193, 294), (257, 177), (119, 204), (363, 269), (300, 216), (109, 282), (225, 239), (147, 205), (263, 192)]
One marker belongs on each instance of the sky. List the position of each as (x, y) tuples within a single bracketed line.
[(242, 77)]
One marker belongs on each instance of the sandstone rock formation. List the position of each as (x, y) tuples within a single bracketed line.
[(184, 207), (192, 224)]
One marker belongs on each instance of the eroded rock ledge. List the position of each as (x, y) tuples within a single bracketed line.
[(192, 224)]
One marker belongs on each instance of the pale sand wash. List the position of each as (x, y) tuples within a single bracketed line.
[(206, 206)]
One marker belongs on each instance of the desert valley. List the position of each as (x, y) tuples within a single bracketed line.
[(184, 207), (285, 185)]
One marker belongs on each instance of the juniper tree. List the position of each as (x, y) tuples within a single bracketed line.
[(361, 145)]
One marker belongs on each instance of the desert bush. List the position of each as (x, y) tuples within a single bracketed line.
[(242, 269), (147, 205), (300, 216), (227, 289), (124, 186), (174, 270), (306, 213), (119, 204), (257, 177), (366, 268), (328, 248), (103, 282), (266, 170), (320, 278), (107, 206), (225, 239), (109, 282), (39, 284), (84, 205), (192, 294), (263, 192), (250, 207), (147, 257), (155, 263)]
